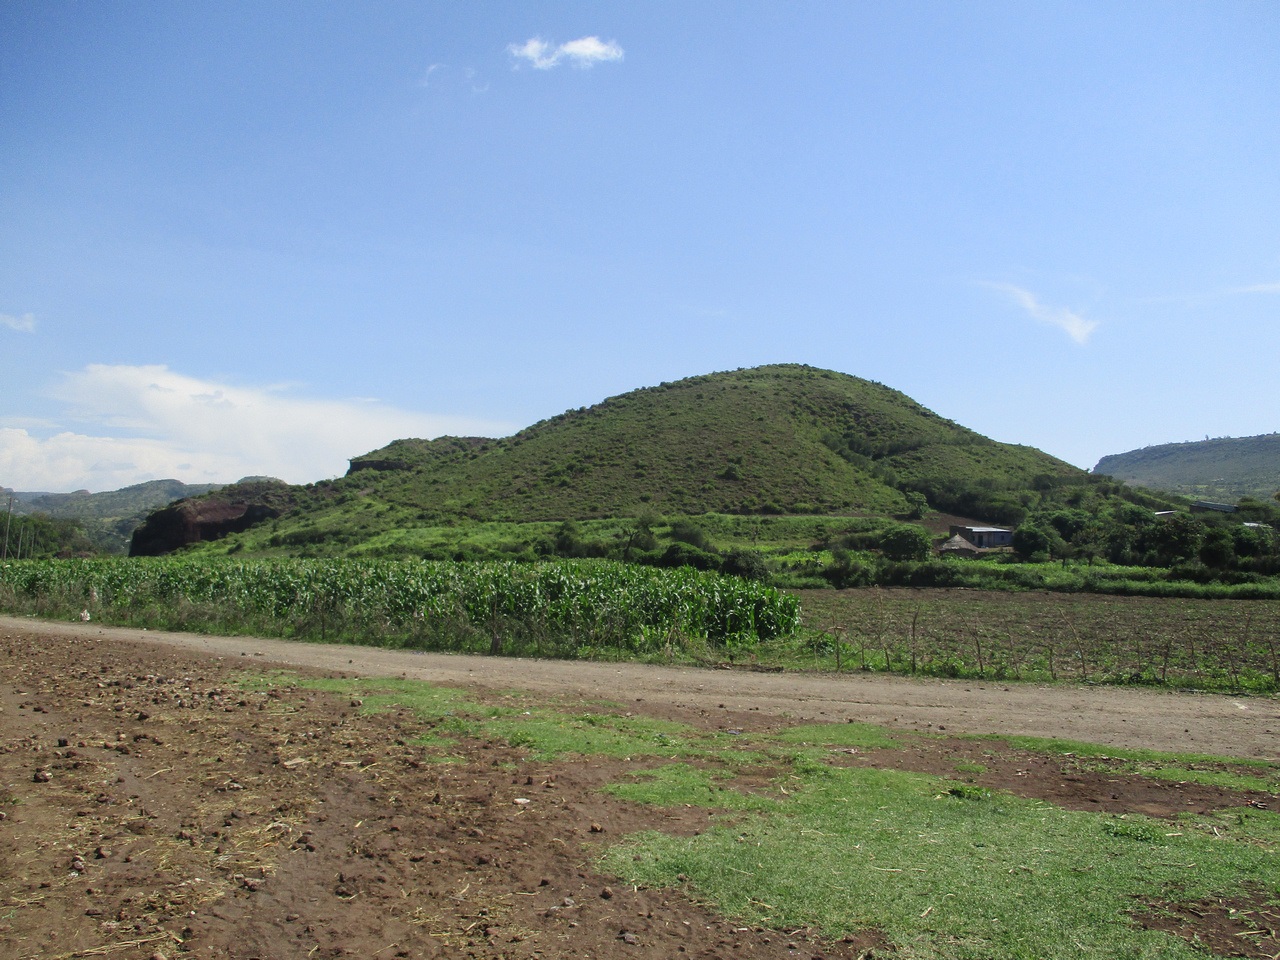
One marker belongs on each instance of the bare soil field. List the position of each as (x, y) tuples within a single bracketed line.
[(150, 805)]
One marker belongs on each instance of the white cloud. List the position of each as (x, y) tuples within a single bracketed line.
[(139, 423), (442, 78), (1259, 288), (1075, 326), (584, 52), (23, 324)]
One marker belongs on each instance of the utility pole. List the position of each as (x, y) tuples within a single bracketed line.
[(8, 517)]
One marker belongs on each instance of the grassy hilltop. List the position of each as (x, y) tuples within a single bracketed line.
[(777, 439)]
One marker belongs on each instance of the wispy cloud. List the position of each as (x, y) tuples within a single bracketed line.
[(23, 324), (1075, 326), (1259, 288), (136, 423), (442, 77), (583, 53)]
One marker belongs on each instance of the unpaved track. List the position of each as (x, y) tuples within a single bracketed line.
[(1116, 716)]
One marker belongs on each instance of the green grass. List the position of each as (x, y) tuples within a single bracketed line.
[(943, 874), (549, 734), (866, 736), (679, 784)]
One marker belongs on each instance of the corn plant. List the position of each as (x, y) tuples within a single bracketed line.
[(560, 608)]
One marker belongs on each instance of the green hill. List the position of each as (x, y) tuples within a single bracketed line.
[(1227, 468), (769, 441), (777, 439)]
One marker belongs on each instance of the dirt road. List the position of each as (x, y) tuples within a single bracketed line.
[(1246, 727)]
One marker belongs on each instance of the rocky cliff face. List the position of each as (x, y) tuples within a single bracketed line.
[(191, 521)]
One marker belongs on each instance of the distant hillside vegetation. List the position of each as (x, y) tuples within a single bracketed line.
[(108, 519), (1224, 469), (771, 440)]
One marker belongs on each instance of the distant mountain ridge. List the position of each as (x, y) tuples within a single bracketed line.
[(110, 503), (1226, 468), (108, 518)]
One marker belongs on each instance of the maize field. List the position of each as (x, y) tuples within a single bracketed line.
[(574, 608)]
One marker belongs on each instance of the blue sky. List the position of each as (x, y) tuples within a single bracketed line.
[(261, 238)]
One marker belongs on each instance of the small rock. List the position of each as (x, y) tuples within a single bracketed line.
[(596, 828), (628, 937), (606, 893), (41, 776)]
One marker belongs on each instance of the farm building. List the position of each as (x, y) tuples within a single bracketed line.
[(1205, 506), (958, 546), (984, 538)]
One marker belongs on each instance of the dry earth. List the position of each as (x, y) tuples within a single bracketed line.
[(152, 807)]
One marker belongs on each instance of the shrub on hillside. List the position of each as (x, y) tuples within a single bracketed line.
[(906, 541), (685, 555), (747, 564)]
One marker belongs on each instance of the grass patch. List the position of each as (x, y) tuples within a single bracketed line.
[(680, 784), (548, 734), (1245, 824), (377, 694), (1206, 769), (945, 876)]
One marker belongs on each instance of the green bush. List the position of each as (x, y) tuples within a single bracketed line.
[(906, 542)]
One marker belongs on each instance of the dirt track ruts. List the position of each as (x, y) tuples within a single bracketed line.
[(1116, 716)]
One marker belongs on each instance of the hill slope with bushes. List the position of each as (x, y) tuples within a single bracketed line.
[(767, 441), (1227, 468), (777, 439)]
